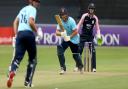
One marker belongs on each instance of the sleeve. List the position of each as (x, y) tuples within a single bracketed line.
[(81, 21), (73, 24), (97, 25), (32, 13), (19, 14)]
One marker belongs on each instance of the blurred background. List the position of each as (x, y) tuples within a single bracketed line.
[(112, 14), (108, 11), (112, 56)]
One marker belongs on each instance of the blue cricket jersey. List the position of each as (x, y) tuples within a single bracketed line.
[(69, 26), (24, 15)]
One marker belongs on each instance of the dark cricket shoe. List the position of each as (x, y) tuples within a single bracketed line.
[(80, 69), (10, 79), (27, 84)]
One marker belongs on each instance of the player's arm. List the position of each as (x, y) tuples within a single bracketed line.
[(75, 32), (99, 39), (32, 24), (81, 21), (32, 16), (15, 25), (34, 28), (59, 32), (97, 27), (74, 28)]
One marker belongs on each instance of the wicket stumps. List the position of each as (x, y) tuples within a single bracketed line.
[(88, 57)]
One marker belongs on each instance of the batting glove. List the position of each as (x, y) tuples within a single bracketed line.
[(63, 34), (67, 38)]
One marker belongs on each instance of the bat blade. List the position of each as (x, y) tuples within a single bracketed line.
[(58, 20)]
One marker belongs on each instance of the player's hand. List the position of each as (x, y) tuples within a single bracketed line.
[(37, 39), (67, 38), (13, 41), (99, 39), (98, 36), (63, 34), (39, 35)]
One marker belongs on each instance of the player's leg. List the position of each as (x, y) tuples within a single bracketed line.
[(93, 58), (76, 55), (32, 61), (93, 53), (81, 47), (19, 53), (60, 53)]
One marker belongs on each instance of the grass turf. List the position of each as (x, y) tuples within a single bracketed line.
[(112, 70)]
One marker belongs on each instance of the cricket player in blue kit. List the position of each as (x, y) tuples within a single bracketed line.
[(25, 29), (70, 39)]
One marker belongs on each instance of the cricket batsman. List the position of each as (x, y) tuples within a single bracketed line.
[(88, 21), (25, 29), (70, 38)]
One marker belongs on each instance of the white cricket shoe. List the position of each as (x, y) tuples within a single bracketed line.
[(62, 72), (94, 70), (76, 69)]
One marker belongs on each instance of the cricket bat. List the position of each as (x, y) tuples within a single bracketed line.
[(59, 21)]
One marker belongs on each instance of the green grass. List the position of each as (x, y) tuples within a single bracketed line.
[(112, 70)]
